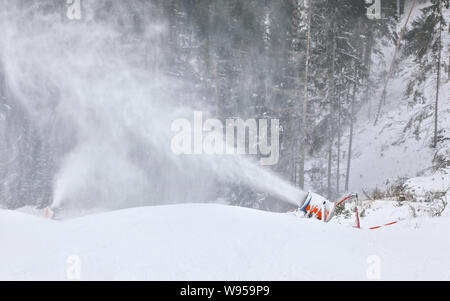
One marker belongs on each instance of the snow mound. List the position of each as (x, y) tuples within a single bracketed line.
[(216, 242)]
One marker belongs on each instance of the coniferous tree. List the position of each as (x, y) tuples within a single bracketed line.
[(424, 44)]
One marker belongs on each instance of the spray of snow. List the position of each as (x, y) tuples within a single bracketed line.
[(107, 117)]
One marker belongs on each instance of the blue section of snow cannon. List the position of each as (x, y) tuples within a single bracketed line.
[(306, 203)]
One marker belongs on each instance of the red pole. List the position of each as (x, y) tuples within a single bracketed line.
[(358, 225)]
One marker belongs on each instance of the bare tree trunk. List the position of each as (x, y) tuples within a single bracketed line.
[(339, 134), (305, 104), (388, 75), (438, 80), (266, 38), (350, 144), (331, 125), (448, 67), (358, 45), (213, 58), (216, 81), (368, 63)]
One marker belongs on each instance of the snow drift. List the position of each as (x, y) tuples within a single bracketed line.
[(214, 242)]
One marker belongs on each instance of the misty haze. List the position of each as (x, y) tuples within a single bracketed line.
[(224, 140)]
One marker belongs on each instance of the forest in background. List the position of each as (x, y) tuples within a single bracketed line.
[(307, 63)]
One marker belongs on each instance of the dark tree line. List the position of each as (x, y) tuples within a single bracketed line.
[(242, 59)]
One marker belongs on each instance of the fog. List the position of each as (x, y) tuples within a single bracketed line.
[(102, 102)]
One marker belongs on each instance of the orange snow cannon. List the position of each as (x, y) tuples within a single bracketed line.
[(319, 207)]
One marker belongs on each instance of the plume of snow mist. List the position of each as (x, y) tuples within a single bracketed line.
[(106, 115)]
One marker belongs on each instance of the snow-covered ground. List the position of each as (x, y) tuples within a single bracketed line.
[(217, 242)]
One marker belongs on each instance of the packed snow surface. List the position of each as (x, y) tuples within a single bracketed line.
[(216, 242)]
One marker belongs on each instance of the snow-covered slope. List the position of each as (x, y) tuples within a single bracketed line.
[(394, 149), (399, 145), (215, 242)]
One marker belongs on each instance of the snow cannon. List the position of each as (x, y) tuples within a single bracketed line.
[(317, 206), (52, 212), (49, 213)]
